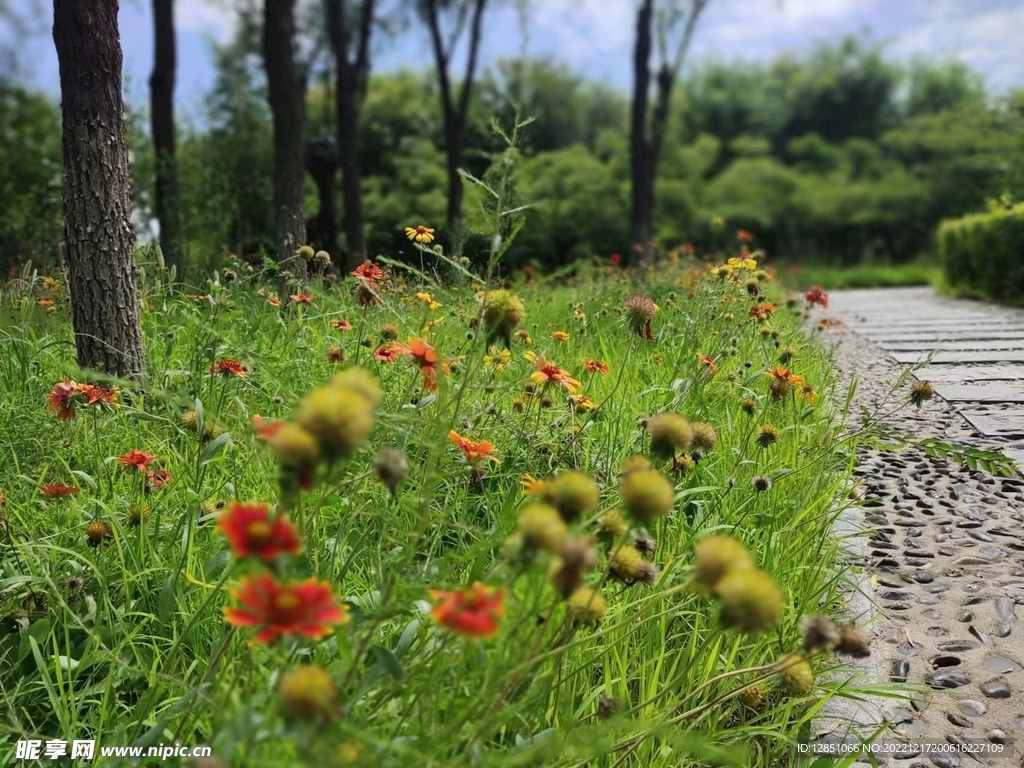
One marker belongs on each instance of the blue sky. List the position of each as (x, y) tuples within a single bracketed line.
[(595, 36)]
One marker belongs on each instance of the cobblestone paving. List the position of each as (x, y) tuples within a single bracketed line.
[(946, 545)]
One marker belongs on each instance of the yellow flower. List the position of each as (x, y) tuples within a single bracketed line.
[(420, 234), (429, 301), (560, 336), (496, 359), (736, 263), (431, 323)]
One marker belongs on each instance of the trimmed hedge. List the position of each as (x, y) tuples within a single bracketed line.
[(984, 252)]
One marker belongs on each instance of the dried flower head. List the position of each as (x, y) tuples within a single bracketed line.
[(626, 563), (639, 311), (795, 675), (761, 483), (820, 633), (391, 469), (502, 312), (644, 542), (543, 527), (611, 526), (305, 252), (717, 556), (749, 405), (767, 435), (705, 437), (98, 532), (920, 391), (587, 606), (752, 697), (852, 642), (572, 494), (635, 462), (750, 599), (670, 433)]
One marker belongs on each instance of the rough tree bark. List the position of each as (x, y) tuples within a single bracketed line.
[(352, 64), (322, 164), (646, 141), (286, 94), (98, 230), (161, 109), (455, 113)]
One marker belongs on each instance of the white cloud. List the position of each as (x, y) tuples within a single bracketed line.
[(210, 17)]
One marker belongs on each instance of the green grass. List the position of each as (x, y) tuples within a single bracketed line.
[(804, 276), (125, 642)]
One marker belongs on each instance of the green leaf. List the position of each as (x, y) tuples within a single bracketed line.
[(214, 448), (167, 599), (388, 661)]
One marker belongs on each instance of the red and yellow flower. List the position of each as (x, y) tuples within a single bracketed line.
[(228, 367), (308, 608), (56, 490), (708, 362), (302, 298), (426, 357), (138, 459), (594, 366), (549, 373), (474, 451), (420, 234), (253, 532), (472, 612), (342, 325)]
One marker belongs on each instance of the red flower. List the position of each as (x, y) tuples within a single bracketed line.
[(595, 366), (615, 259), (385, 354), (705, 360), (426, 358), (302, 298), (56, 489), (368, 293), (335, 355), (265, 429), (306, 608), (482, 451), (549, 373), (762, 311), (369, 272), (251, 531), (157, 478), (274, 301), (817, 296), (60, 400), (138, 459), (97, 395), (228, 368), (342, 325), (689, 248), (743, 236), (471, 612)]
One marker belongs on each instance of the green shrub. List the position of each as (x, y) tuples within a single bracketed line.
[(983, 253)]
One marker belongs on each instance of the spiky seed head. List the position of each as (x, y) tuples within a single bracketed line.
[(750, 599), (705, 436), (647, 495), (612, 526), (767, 435), (626, 563), (543, 527), (761, 483), (294, 446), (749, 405), (715, 557), (635, 462), (795, 675), (587, 606), (920, 391), (670, 432), (820, 633), (852, 642), (572, 494)]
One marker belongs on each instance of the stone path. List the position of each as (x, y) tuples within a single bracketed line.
[(945, 544)]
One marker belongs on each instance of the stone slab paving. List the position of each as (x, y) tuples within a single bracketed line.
[(964, 356), (948, 345), (945, 544)]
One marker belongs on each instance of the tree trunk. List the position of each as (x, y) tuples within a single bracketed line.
[(97, 201), (453, 138), (642, 213), (288, 108), (322, 164), (351, 170), (161, 101)]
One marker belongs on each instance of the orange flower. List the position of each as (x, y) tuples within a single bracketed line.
[(481, 451), (743, 236), (594, 366), (251, 532), (138, 459), (762, 311), (228, 368), (274, 301), (265, 429), (45, 302), (780, 373), (470, 612), (688, 248), (369, 272), (302, 298), (60, 400), (97, 395), (549, 373), (342, 325), (306, 608), (426, 358), (615, 259), (560, 336), (385, 354), (56, 489), (705, 360), (829, 322), (534, 487)]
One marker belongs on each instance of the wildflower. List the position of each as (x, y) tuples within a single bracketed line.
[(367, 293), (264, 429), (500, 313), (560, 336), (594, 366), (852, 642), (543, 527), (749, 405), (572, 494), (615, 259), (429, 301), (306, 608), (138, 459), (273, 301), (389, 331), (767, 435), (750, 600), (612, 526), (322, 259), (743, 236), (548, 373), (640, 310), (829, 322), (806, 394), (426, 358), (385, 354), (45, 302), (644, 542), (708, 362), (761, 483), (252, 532), (646, 495), (752, 285), (98, 531), (228, 368), (474, 452), (302, 298), (420, 234), (60, 399), (781, 381), (335, 356), (817, 296), (920, 391), (339, 416), (684, 463), (717, 556), (342, 325), (762, 312), (156, 479), (93, 395), (670, 432), (626, 563), (795, 675), (471, 612), (744, 263), (575, 559), (582, 403), (305, 252), (497, 360), (138, 514), (635, 462), (753, 697), (522, 335), (430, 324), (56, 489), (307, 693), (820, 633), (705, 437), (368, 272), (532, 486), (688, 248), (391, 469), (587, 605)]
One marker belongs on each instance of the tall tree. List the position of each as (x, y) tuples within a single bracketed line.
[(161, 115), (676, 19), (352, 65), (454, 110), (287, 97), (98, 229)]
